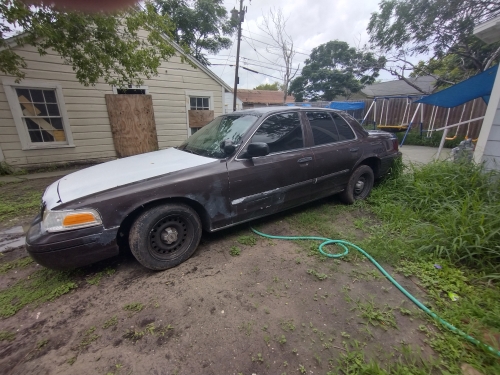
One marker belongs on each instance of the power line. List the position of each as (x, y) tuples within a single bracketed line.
[(274, 46), (250, 70)]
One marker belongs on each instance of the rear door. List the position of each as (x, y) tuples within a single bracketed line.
[(336, 150), (263, 185)]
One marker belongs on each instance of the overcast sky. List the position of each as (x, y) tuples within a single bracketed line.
[(310, 23)]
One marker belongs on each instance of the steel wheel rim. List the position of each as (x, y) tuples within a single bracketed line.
[(169, 236), (360, 185)]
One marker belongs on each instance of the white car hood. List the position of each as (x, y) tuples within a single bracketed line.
[(120, 172)]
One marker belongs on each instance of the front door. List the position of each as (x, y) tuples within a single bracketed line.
[(263, 185), (336, 151)]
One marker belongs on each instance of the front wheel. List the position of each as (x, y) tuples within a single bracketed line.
[(359, 186), (165, 236)]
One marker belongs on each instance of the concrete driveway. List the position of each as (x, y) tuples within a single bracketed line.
[(422, 154)]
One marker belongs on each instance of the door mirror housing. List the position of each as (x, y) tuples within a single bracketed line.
[(227, 147), (258, 149)]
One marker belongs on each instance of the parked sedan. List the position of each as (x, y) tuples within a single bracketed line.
[(239, 167)]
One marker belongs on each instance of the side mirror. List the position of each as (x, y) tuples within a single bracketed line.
[(227, 147), (257, 149)]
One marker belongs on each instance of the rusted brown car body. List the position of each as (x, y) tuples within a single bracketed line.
[(223, 193)]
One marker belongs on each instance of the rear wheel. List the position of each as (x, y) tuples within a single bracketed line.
[(165, 236), (359, 186)]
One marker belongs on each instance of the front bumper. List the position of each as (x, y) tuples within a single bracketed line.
[(71, 249)]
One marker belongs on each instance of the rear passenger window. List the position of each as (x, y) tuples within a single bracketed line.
[(345, 131), (323, 128), (282, 132)]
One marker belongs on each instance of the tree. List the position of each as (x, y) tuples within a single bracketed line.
[(269, 86), (274, 25), (202, 25), (97, 45), (442, 28), (334, 69)]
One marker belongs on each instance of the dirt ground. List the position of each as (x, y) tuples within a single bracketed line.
[(273, 309)]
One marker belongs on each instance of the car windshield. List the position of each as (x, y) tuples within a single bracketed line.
[(207, 140)]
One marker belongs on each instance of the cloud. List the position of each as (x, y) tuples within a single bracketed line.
[(310, 23)]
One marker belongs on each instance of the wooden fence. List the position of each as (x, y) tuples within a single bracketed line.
[(395, 109)]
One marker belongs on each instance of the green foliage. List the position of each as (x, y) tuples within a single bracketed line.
[(134, 306), (18, 263), (97, 45), (334, 69), (7, 336), (247, 240), (20, 204), (453, 210), (111, 322), (269, 86), (235, 251), (89, 336), (414, 138), (438, 28), (96, 279), (41, 286), (320, 276), (5, 169), (201, 25)]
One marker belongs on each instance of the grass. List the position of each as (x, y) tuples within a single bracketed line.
[(96, 279), (41, 286), (134, 307), (111, 322), (414, 138), (247, 240), (18, 263), (7, 336), (20, 204), (235, 251)]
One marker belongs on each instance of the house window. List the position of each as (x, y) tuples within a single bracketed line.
[(198, 103), (39, 114), (137, 90)]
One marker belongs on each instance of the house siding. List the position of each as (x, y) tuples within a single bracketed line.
[(491, 155), (87, 111)]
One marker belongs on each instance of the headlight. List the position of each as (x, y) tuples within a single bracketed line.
[(57, 221)]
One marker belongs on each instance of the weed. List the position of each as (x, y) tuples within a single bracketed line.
[(41, 286), (282, 340), (18, 263), (267, 339), (89, 336), (302, 369), (318, 359), (71, 360), (23, 203), (247, 240), (287, 325), (275, 279), (113, 321), (259, 358), (345, 335), (319, 276), (375, 315), (7, 336), (134, 307), (246, 327), (235, 251), (285, 364), (40, 344), (265, 327), (96, 279), (298, 261)]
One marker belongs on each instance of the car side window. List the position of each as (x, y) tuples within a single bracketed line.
[(281, 132), (343, 128), (323, 128)]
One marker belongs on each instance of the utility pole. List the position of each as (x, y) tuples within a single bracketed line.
[(240, 17)]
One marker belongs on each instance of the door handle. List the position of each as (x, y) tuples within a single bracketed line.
[(354, 149), (305, 160)]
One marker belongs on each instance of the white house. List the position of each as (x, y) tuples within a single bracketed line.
[(49, 117), (488, 144)]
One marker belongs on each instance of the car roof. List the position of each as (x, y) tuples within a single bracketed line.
[(266, 110)]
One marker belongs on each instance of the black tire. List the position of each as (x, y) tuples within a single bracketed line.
[(165, 236), (359, 186)]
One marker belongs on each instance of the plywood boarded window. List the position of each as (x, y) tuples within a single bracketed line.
[(199, 113), (39, 114), (132, 123)]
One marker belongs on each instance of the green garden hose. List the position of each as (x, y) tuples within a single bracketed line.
[(345, 244)]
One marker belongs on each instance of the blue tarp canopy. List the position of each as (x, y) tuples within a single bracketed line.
[(347, 106), (479, 86)]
